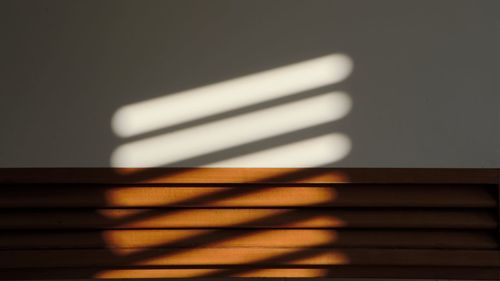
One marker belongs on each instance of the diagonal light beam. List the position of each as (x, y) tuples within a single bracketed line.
[(184, 144), (146, 116)]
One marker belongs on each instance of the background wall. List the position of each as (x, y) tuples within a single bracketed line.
[(424, 89)]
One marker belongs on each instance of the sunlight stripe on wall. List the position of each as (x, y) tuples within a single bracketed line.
[(169, 110), (170, 148)]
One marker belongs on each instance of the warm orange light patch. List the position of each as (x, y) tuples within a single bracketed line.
[(271, 196), (125, 241), (324, 257), (290, 238), (220, 218), (283, 273), (156, 196), (200, 273), (153, 273), (234, 175), (248, 256)]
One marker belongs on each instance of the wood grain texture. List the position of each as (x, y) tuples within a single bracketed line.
[(248, 256), (247, 218), (403, 272), (339, 195), (249, 222), (227, 238), (247, 175)]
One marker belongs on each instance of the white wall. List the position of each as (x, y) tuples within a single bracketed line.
[(424, 89)]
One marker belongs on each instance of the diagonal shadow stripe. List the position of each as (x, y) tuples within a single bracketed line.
[(218, 235), (225, 194), (280, 259), (253, 147), (291, 216)]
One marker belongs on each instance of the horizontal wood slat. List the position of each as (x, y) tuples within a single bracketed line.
[(247, 218), (403, 272), (247, 175), (247, 256), (341, 195), (249, 222), (291, 238)]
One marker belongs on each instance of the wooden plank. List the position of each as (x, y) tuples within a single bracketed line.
[(349, 195), (247, 218), (498, 205), (246, 175), (267, 245), (247, 256), (413, 272), (227, 238)]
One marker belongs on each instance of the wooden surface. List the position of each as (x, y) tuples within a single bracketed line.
[(247, 218), (335, 195), (247, 175), (218, 222), (285, 238), (403, 272), (243, 256)]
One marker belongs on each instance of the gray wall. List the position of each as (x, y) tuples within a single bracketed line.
[(425, 86)]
